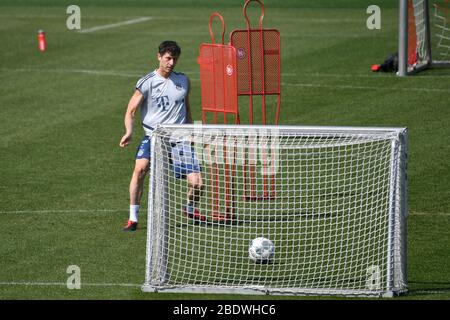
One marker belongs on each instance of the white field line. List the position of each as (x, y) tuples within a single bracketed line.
[(64, 211), (115, 25), (350, 75), (302, 20), (105, 73), (431, 291), (286, 84), (114, 73), (125, 73), (59, 16), (416, 213), (135, 285), (62, 284), (351, 87), (128, 73)]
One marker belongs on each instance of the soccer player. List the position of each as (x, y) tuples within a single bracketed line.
[(163, 98)]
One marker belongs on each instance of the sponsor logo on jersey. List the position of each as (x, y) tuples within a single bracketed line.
[(162, 102)]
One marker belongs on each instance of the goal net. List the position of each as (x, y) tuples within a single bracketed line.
[(427, 33), (336, 210)]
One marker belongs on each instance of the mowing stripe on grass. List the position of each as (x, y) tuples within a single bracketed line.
[(115, 25)]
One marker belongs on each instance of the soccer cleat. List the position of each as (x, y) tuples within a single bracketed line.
[(131, 226), (194, 214)]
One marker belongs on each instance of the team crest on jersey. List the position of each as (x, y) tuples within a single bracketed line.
[(179, 86)]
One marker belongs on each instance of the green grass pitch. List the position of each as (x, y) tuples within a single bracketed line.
[(64, 179)]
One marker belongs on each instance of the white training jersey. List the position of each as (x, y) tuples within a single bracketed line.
[(164, 99)]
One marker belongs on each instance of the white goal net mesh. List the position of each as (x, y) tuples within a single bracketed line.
[(332, 201), (428, 32), (441, 30)]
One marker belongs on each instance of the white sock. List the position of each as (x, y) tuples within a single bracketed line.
[(134, 210)]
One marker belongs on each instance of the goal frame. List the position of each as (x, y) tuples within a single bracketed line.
[(396, 277), (404, 68)]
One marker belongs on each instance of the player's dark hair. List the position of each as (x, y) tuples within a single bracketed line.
[(171, 47)]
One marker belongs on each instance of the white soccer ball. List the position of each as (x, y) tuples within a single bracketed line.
[(261, 250)]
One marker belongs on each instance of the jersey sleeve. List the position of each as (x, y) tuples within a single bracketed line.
[(143, 86)]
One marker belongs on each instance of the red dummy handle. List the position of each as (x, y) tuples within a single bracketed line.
[(260, 18), (215, 14)]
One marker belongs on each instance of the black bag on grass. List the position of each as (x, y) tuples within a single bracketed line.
[(389, 65)]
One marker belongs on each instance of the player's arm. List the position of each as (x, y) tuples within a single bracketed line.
[(133, 105)]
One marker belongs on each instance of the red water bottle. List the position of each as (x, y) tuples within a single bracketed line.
[(42, 41)]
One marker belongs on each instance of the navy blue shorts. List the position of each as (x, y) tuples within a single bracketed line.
[(182, 157), (143, 151)]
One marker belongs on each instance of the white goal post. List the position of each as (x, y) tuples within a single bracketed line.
[(424, 35), (331, 199)]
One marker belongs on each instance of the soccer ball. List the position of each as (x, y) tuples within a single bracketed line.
[(261, 250)]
